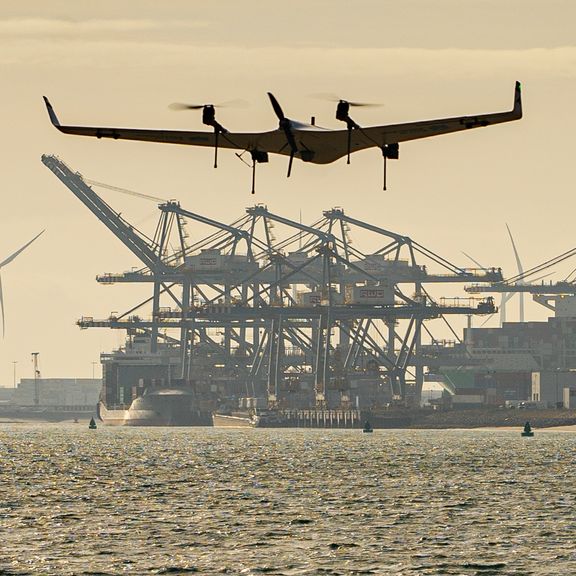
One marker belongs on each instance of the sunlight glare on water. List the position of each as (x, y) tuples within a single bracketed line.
[(285, 502)]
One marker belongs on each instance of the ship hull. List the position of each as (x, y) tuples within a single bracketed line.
[(233, 421), (159, 408)]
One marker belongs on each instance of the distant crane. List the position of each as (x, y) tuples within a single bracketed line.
[(5, 263)]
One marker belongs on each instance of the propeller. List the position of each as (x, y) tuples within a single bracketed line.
[(238, 103), (286, 125), (209, 118), (328, 97), (5, 263), (277, 108), (390, 150), (342, 108), (182, 106)]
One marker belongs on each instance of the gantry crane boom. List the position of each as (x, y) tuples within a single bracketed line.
[(263, 212), (237, 233), (455, 273), (134, 240)]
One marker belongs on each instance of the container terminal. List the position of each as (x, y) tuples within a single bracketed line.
[(271, 322)]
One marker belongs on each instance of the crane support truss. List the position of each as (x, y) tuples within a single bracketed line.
[(307, 307)]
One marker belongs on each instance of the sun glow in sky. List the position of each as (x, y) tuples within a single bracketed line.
[(121, 63)]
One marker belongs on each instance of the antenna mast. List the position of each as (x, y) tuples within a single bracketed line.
[(36, 376)]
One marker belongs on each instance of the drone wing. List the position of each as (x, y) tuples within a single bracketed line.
[(314, 144), (235, 141), (332, 145)]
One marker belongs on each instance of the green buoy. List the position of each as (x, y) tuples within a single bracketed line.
[(367, 427)]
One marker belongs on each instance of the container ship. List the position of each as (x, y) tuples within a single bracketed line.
[(145, 388)]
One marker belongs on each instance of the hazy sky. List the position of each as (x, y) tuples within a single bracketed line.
[(122, 62)]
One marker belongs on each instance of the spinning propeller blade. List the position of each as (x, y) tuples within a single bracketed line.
[(182, 106), (334, 98), (238, 103), (286, 125), (277, 107)]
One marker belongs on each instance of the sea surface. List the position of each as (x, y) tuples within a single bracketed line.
[(285, 502)]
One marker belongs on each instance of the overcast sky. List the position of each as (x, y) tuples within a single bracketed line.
[(120, 63)]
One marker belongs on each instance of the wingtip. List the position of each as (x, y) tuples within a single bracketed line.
[(518, 99), (51, 113)]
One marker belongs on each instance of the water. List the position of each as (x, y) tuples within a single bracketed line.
[(285, 502)]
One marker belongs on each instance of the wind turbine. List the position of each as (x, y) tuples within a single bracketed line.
[(483, 267), (506, 296), (4, 263)]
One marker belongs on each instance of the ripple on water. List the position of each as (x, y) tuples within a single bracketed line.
[(285, 502)]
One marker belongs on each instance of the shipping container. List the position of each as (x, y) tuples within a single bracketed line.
[(370, 295), (316, 298)]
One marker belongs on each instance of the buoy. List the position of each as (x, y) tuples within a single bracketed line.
[(92, 424), (367, 427), (527, 430)]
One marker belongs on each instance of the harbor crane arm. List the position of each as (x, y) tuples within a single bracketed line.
[(141, 246), (338, 214), (263, 212), (236, 232)]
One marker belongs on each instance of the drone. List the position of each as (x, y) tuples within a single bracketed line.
[(308, 142)]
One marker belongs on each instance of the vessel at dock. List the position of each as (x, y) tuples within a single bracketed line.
[(162, 407), (235, 420), (141, 388)]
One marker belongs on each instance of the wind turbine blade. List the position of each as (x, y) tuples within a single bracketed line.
[(505, 297), (475, 261), (10, 258), (486, 321), (2, 308), (520, 272), (518, 263)]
